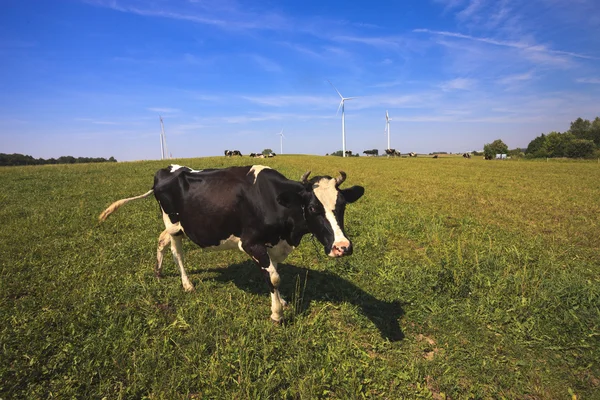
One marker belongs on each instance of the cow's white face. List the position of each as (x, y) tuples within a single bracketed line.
[(324, 213), (323, 205)]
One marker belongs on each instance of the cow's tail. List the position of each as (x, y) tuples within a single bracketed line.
[(113, 207)]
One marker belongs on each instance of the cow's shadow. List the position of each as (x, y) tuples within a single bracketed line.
[(301, 286)]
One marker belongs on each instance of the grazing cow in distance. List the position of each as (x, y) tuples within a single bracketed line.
[(392, 152), (411, 154), (467, 155), (348, 153), (252, 155), (228, 153), (373, 152), (271, 155), (236, 153), (254, 209), (435, 156)]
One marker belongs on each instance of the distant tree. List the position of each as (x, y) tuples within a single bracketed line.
[(496, 147), (112, 159), (584, 129), (580, 128), (556, 143), (580, 148), (21, 159), (535, 145), (338, 153), (595, 131), (266, 152)]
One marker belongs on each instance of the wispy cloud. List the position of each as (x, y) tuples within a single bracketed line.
[(286, 101), (164, 110), (515, 78), (381, 42), (458, 84), (530, 48), (227, 18), (595, 81), (96, 121), (265, 63)]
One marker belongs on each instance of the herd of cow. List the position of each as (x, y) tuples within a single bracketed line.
[(231, 153), (396, 153), (254, 209)]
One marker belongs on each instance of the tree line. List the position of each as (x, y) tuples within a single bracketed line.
[(582, 140), (22, 159)]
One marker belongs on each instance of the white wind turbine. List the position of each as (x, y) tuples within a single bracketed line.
[(387, 127), (281, 136), (343, 99)]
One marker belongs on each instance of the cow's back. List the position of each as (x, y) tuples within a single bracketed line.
[(213, 205)]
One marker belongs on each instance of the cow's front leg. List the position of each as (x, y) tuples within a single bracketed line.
[(260, 255)]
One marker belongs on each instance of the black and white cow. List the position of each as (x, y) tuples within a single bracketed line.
[(411, 154), (254, 209), (467, 155), (392, 152), (228, 153)]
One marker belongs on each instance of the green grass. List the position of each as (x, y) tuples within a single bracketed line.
[(470, 279)]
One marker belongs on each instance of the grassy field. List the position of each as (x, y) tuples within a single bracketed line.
[(470, 279)]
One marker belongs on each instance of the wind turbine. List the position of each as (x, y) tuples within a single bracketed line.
[(281, 140), (343, 99), (163, 141), (387, 127)]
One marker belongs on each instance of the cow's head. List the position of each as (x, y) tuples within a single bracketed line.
[(323, 205)]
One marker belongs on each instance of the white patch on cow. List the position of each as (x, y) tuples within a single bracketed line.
[(175, 167), (256, 169), (326, 192), (280, 251), (231, 243)]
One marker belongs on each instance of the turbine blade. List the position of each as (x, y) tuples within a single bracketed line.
[(338, 92), (350, 98), (340, 106)]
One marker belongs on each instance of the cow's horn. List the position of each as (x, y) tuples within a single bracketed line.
[(340, 179), (304, 178)]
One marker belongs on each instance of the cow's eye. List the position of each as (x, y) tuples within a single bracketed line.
[(312, 209)]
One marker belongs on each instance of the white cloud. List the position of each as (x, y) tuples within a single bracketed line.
[(531, 49), (164, 110), (458, 84), (595, 81)]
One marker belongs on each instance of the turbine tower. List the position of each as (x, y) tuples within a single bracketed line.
[(387, 127), (281, 141), (343, 99), (163, 140)]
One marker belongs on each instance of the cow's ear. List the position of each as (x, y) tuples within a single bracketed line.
[(352, 194), (290, 199)]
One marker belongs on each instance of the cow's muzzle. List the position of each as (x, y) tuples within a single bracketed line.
[(341, 249)]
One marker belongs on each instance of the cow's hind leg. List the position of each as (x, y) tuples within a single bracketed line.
[(177, 250), (175, 233), (163, 240)]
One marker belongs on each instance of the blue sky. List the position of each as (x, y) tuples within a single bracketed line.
[(91, 77)]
